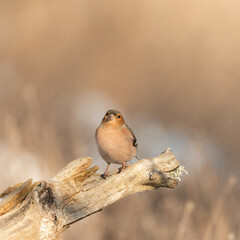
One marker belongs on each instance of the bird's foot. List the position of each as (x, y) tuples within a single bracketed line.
[(104, 175), (124, 165)]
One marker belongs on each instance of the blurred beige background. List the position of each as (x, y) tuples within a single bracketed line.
[(171, 67)]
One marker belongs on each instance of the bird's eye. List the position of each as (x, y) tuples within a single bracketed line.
[(119, 116)]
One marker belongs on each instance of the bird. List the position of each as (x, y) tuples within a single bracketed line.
[(116, 142)]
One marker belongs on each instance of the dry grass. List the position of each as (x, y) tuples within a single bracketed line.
[(171, 67)]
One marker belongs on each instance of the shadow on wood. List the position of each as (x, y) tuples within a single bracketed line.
[(42, 210)]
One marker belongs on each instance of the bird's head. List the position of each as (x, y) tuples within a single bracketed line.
[(113, 118)]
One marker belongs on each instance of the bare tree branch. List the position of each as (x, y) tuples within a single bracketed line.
[(42, 210)]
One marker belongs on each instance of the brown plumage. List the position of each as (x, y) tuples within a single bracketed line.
[(115, 140)]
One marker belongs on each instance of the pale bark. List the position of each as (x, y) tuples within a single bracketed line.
[(42, 210)]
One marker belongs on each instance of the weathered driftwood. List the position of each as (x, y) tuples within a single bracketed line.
[(42, 210)]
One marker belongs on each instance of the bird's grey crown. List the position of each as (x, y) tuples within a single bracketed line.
[(111, 111)]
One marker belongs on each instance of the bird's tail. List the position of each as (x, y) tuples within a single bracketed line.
[(134, 160)]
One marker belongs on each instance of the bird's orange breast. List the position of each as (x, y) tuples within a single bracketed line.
[(115, 145)]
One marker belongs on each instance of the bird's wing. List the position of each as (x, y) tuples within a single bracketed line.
[(135, 143)]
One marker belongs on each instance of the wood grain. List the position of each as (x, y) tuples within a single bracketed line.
[(48, 207)]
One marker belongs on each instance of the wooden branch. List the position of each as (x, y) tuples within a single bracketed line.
[(42, 210)]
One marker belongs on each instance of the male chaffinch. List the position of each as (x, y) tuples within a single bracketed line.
[(115, 140)]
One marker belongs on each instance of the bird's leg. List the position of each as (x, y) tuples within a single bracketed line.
[(106, 171), (123, 167)]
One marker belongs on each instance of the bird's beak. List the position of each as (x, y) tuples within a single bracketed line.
[(110, 117)]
